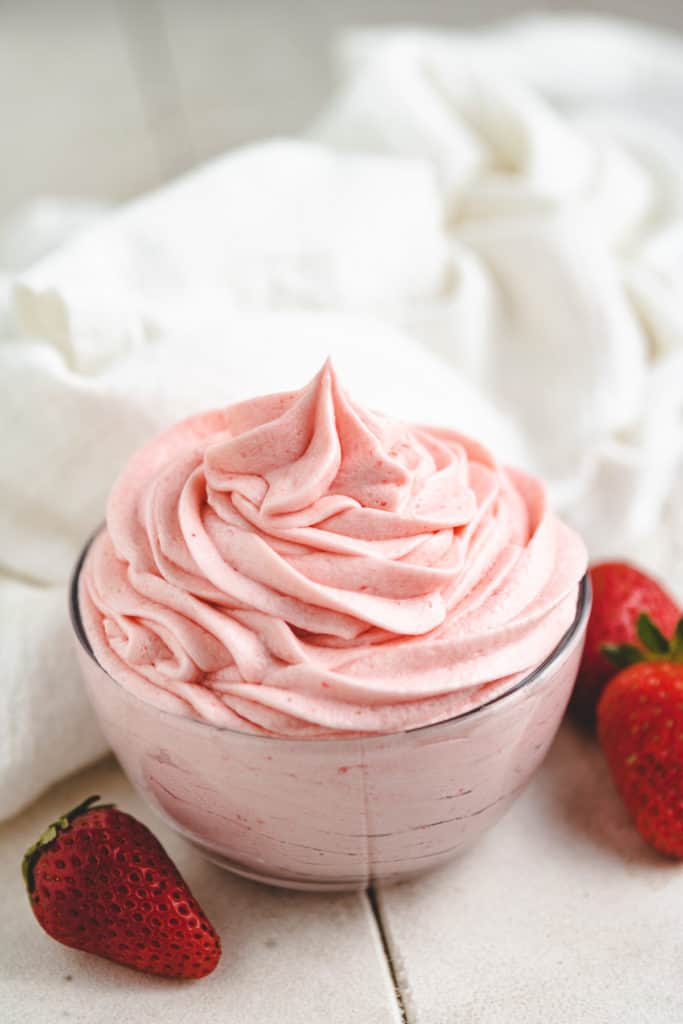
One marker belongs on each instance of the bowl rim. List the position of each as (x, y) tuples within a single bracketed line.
[(576, 628)]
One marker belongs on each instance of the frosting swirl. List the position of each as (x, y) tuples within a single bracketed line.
[(298, 565)]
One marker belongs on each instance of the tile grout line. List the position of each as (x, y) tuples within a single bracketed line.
[(373, 901), (144, 30)]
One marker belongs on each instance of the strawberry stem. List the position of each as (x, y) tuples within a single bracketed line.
[(623, 655), (677, 642), (655, 646), (650, 636), (50, 834)]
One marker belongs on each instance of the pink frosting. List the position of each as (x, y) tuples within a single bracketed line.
[(297, 565)]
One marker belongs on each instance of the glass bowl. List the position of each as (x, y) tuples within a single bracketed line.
[(330, 814)]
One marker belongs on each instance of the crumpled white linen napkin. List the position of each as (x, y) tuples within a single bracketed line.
[(565, 236), (467, 252)]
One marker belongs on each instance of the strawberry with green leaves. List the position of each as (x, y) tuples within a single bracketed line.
[(99, 881), (620, 594), (640, 728)]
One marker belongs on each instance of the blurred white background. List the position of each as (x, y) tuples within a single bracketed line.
[(108, 98)]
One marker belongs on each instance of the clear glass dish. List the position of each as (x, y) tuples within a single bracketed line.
[(329, 814)]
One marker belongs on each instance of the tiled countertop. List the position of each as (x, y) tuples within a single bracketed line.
[(560, 914)]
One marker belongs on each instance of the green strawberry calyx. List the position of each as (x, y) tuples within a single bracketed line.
[(655, 646), (49, 836)]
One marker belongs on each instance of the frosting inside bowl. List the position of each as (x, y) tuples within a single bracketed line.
[(297, 565)]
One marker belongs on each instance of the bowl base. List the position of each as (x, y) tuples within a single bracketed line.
[(263, 878)]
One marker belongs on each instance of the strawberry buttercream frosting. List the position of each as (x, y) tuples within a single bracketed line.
[(296, 565)]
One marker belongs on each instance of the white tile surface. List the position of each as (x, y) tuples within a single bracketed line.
[(560, 915), (287, 957)]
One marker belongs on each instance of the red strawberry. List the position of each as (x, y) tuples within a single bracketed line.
[(99, 881), (620, 593), (640, 728)]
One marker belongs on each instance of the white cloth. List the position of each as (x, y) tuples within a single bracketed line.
[(565, 235), (469, 254)]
